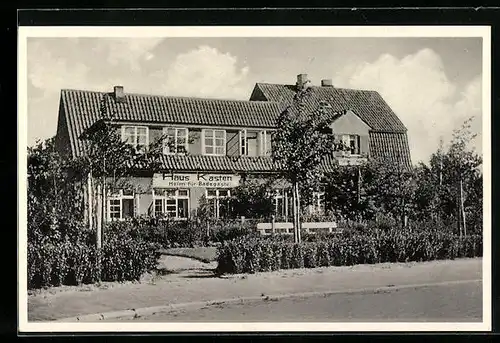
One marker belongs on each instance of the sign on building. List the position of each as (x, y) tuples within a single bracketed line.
[(175, 180), (351, 161)]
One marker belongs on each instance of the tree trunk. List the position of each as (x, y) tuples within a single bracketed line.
[(462, 210), (403, 215), (298, 215), (359, 195), (459, 211), (90, 200), (294, 212), (296, 233), (99, 217), (104, 204)]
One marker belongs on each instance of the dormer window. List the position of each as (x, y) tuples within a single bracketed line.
[(136, 136), (352, 144), (176, 141)]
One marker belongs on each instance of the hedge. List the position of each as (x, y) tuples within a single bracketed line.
[(250, 255), (181, 233), (55, 263)]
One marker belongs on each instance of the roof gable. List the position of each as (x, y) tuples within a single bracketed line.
[(349, 122), (368, 105)]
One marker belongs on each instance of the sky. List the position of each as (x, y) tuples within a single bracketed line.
[(432, 84)]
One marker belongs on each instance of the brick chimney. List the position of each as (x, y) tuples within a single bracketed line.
[(326, 83), (302, 80), (119, 94)]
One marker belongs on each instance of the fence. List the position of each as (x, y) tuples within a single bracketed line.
[(287, 228)]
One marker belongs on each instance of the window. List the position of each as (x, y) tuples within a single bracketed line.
[(176, 140), (214, 142), (172, 203), (265, 143), (136, 136), (243, 143), (282, 203), (351, 143), (248, 143), (121, 205), (318, 203), (216, 199)]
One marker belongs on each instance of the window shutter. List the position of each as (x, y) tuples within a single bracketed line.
[(136, 205), (364, 145), (233, 143), (269, 141)]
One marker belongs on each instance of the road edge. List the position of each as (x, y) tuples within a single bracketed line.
[(135, 313)]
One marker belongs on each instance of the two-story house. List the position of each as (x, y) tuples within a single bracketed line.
[(213, 144)]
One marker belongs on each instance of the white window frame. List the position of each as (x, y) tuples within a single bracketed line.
[(217, 197), (318, 205), (264, 150), (120, 197), (243, 136), (346, 140), (166, 147), (357, 140), (161, 194), (214, 146), (135, 143), (281, 193), (244, 139)]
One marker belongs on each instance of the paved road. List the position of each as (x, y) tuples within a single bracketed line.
[(434, 303)]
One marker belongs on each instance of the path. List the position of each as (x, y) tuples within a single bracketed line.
[(199, 284)]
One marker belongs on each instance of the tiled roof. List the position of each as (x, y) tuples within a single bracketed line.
[(388, 135), (390, 147), (388, 138), (217, 163), (82, 109), (368, 105), (226, 163)]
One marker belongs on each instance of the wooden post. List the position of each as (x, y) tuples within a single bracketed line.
[(359, 193), (295, 215), (298, 214), (99, 217), (462, 210), (90, 201), (104, 202), (459, 212), (285, 193), (272, 225)]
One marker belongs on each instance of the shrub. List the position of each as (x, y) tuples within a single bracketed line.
[(388, 245), (66, 262), (181, 233), (57, 263), (229, 232)]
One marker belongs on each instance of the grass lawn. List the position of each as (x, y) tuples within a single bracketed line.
[(203, 254)]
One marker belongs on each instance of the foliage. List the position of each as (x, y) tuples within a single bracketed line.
[(252, 199), (302, 142), (438, 192), (300, 146), (55, 263), (55, 203), (180, 233), (425, 192), (249, 255), (164, 232)]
